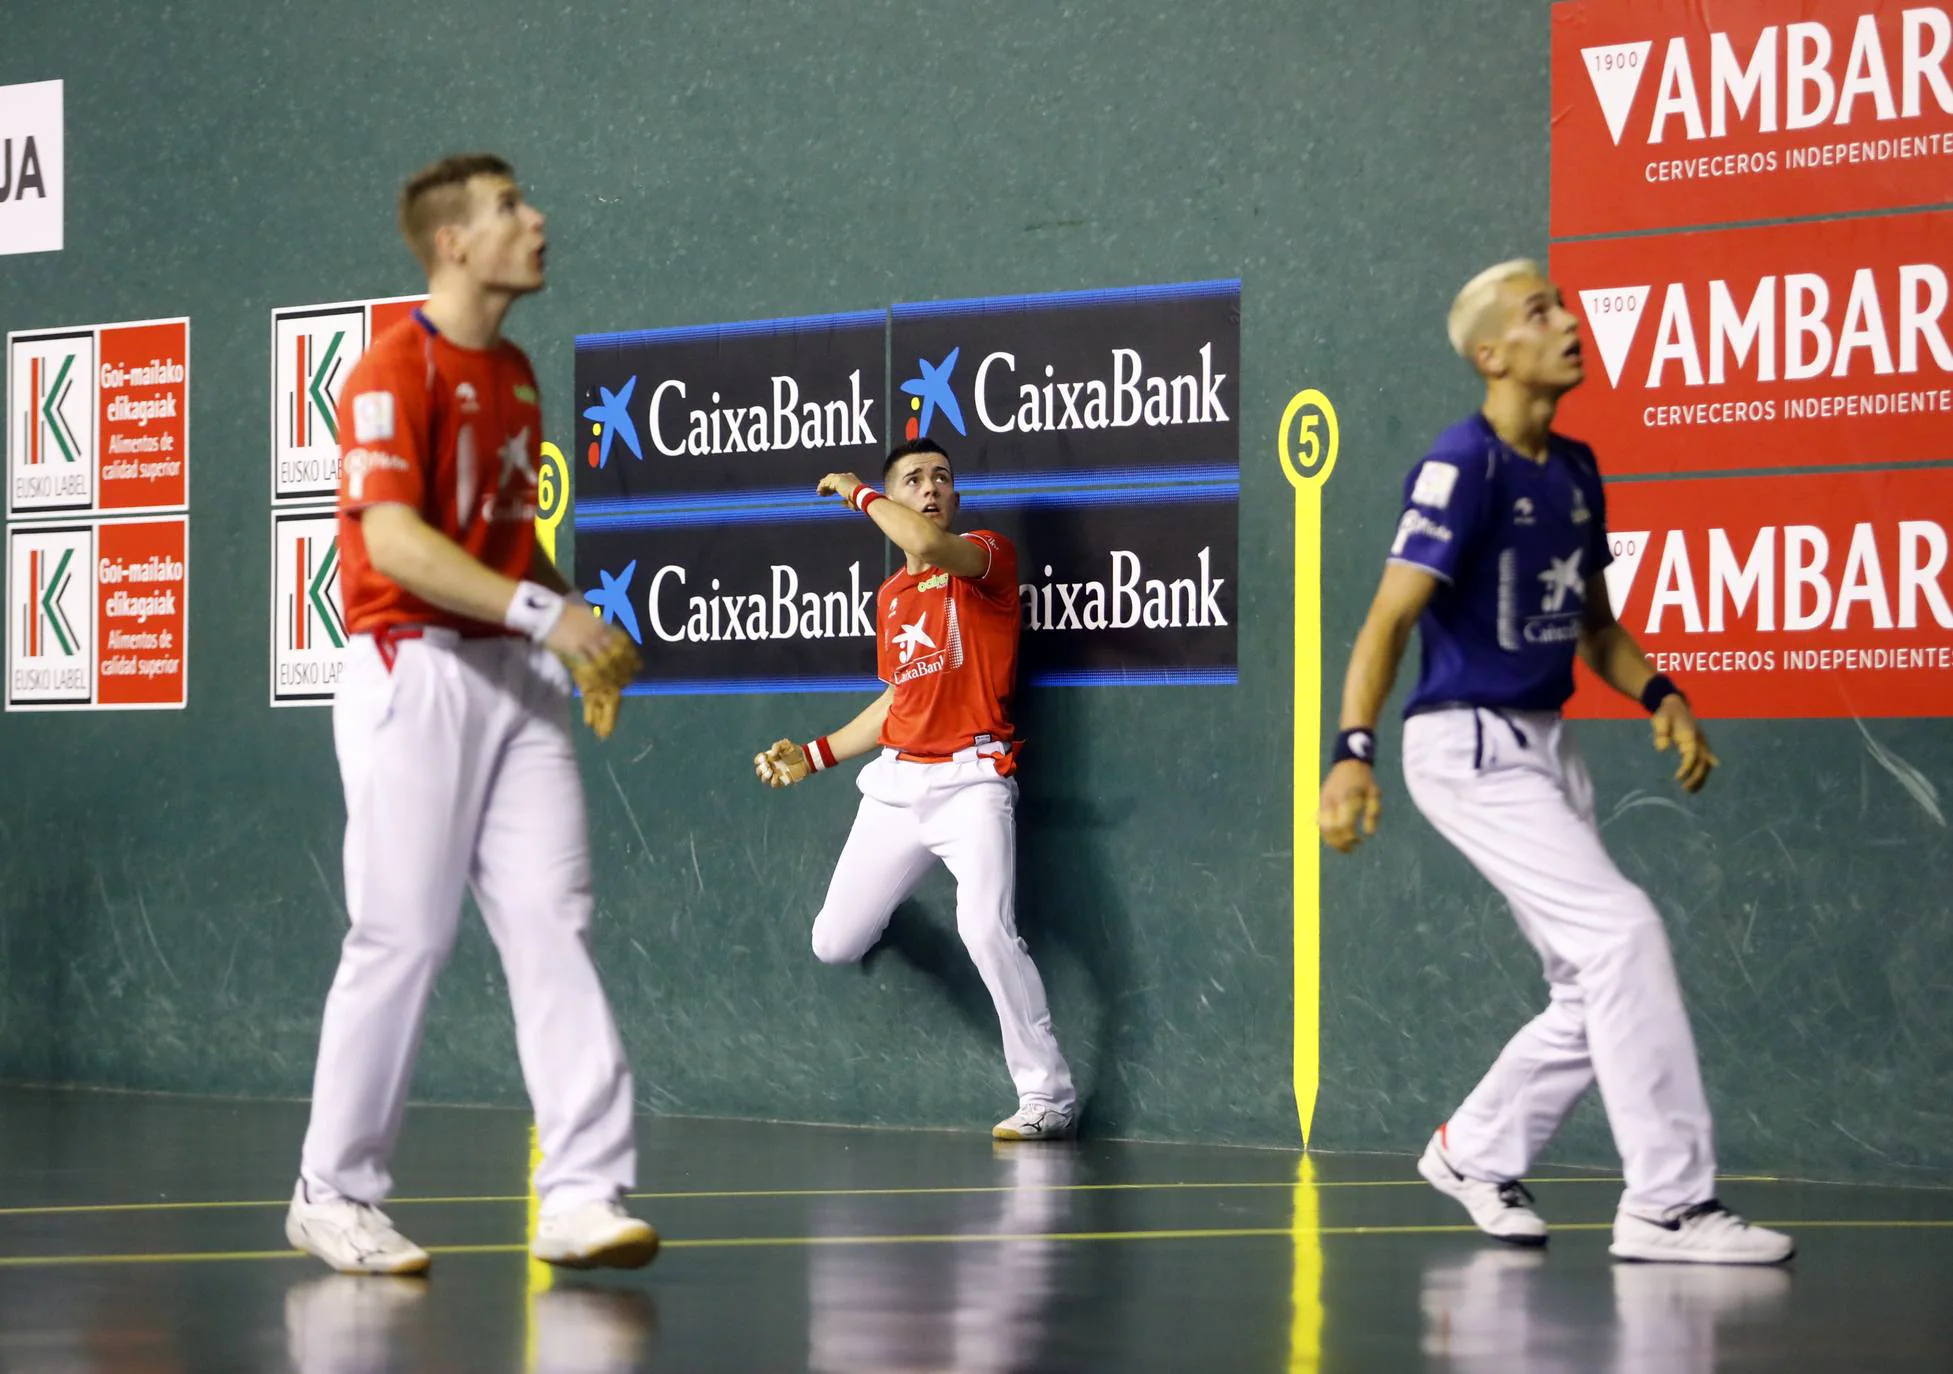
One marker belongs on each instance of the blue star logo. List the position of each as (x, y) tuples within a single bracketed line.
[(613, 416), (614, 601), (932, 388)]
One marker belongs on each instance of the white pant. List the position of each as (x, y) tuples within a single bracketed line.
[(964, 814), (1509, 789), (459, 772)]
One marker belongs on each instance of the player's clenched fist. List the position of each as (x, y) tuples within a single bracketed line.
[(781, 766), (1349, 798), (841, 484), (603, 660)]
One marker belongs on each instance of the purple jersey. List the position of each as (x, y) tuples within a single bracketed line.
[(1515, 544)]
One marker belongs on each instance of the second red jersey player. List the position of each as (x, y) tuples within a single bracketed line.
[(941, 787)]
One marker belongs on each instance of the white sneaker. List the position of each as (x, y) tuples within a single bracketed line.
[(1706, 1233), (595, 1235), (1504, 1210), (352, 1237), (1036, 1121)]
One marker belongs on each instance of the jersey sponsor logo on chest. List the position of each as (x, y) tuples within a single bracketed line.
[(512, 498)]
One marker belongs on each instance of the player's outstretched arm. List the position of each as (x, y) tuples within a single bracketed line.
[(1610, 651), (786, 763), (1350, 796), (911, 531)]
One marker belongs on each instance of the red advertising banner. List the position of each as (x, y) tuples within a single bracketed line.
[(1790, 597), (96, 614), (313, 350), (142, 609), (1795, 344), (1672, 113), (144, 396), (98, 419)]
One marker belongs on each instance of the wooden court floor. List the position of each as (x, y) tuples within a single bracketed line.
[(145, 1234)]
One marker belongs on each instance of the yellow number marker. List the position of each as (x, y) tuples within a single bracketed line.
[(552, 497)]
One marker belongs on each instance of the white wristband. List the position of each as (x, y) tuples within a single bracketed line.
[(534, 610)]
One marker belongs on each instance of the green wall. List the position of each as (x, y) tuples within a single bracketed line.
[(169, 892)]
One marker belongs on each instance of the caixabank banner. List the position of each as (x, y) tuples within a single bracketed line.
[(1787, 596), (1099, 431), (1675, 113), (698, 530), (1795, 344)]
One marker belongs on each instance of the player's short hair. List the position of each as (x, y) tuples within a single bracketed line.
[(1471, 311), (910, 449), (437, 195)]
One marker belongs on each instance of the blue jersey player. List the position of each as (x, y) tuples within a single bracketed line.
[(1497, 561)]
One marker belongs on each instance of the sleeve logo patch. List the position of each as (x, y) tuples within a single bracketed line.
[(1434, 483), (1417, 525), (373, 417)]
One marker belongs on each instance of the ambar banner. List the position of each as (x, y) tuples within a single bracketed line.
[(1673, 113), (1775, 347), (1100, 431), (698, 530), (1787, 597)]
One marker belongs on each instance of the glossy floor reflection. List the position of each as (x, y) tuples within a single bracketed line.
[(143, 1233)]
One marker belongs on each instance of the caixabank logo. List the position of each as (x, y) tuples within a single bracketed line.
[(313, 350), (51, 421), (1801, 595), (1670, 113), (718, 407), (308, 619), (1099, 430), (1745, 348), (50, 616), (1119, 376)]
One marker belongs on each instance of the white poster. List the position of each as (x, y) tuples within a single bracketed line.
[(31, 186)]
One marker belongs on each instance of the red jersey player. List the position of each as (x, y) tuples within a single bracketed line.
[(451, 724), (941, 788)]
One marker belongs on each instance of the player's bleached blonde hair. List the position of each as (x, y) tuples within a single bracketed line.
[(1470, 311)]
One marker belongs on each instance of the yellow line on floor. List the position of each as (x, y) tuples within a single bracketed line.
[(80, 1209), (948, 1238)]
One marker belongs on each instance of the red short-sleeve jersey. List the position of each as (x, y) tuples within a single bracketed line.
[(452, 432), (948, 645)]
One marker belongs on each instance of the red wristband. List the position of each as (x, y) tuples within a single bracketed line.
[(864, 497), (820, 755)]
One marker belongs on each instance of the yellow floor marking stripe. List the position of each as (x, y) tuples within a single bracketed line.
[(1306, 1314), (1307, 469), (950, 1238), (540, 1277), (761, 1194)]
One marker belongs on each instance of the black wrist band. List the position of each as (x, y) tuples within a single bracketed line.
[(1658, 690), (1358, 744)]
